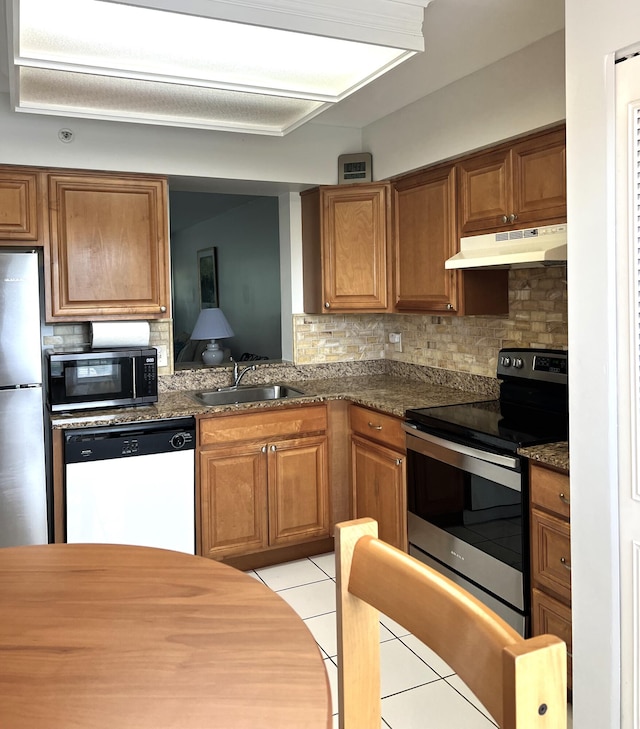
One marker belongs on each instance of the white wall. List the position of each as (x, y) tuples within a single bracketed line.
[(307, 156), (595, 30), (290, 267), (515, 95)]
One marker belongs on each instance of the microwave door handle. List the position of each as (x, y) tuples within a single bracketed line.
[(496, 458)]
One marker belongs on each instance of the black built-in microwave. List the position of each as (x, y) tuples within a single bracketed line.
[(102, 378)]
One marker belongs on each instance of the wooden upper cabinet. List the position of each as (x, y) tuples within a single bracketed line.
[(345, 248), (19, 206), (517, 185), (540, 179), (425, 236), (109, 252)]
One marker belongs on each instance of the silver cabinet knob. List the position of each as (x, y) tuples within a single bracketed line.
[(263, 449), (513, 217), (449, 307), (398, 461), (505, 219), (327, 305), (273, 448), (163, 309)]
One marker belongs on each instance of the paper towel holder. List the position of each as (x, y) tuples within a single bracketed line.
[(212, 324)]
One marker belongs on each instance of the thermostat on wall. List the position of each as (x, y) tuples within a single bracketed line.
[(354, 168)]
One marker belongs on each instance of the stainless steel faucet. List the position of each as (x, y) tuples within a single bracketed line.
[(238, 375)]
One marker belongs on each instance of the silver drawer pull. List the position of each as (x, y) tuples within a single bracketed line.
[(565, 563), (375, 427), (564, 499)]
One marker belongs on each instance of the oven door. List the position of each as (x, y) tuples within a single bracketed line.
[(467, 510)]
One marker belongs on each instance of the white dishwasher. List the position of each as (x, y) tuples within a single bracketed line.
[(132, 484)]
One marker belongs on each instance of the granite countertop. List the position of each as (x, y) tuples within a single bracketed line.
[(389, 394), (551, 454)]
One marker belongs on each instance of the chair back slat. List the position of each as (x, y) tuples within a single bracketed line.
[(432, 608), (511, 676)]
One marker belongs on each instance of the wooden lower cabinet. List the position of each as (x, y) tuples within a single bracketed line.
[(298, 492), (233, 497), (554, 617), (551, 555), (378, 461), (269, 490)]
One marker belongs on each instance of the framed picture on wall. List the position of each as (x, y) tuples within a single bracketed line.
[(208, 277)]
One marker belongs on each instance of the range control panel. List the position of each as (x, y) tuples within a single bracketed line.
[(546, 365)]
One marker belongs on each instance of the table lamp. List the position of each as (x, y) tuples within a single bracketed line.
[(212, 324)]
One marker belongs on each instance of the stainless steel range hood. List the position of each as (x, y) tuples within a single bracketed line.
[(525, 248)]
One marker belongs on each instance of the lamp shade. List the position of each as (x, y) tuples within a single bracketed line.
[(211, 324)]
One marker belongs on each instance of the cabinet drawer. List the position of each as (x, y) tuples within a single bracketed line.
[(261, 425), (553, 617), (377, 426), (550, 490), (551, 554)]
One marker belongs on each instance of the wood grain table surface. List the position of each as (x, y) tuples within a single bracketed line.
[(96, 636)]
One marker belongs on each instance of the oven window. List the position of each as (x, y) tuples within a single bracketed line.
[(476, 510)]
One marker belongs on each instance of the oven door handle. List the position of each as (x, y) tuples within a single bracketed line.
[(495, 458)]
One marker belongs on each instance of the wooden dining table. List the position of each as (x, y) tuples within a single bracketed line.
[(96, 636)]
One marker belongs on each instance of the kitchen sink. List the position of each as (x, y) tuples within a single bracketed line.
[(245, 393)]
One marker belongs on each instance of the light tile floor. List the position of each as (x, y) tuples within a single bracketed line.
[(418, 688)]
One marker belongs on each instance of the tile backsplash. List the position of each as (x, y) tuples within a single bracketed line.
[(537, 318), (469, 344), (71, 336)]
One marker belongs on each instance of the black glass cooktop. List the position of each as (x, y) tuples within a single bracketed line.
[(492, 424)]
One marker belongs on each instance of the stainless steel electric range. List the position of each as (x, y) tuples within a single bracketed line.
[(467, 487)]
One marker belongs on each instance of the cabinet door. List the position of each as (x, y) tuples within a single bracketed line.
[(379, 476), (552, 617), (484, 192), (425, 237), (354, 248), (540, 180), (18, 205), (109, 248), (551, 554), (233, 497), (298, 490)]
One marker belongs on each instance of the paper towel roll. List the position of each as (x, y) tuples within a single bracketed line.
[(106, 334)]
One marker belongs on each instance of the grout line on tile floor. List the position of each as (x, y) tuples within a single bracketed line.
[(486, 715)]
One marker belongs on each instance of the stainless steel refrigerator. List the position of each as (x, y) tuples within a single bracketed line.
[(23, 483)]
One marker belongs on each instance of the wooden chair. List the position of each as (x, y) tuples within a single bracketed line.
[(522, 683)]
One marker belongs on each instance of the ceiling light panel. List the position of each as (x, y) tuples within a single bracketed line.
[(123, 99), (108, 36), (176, 62)]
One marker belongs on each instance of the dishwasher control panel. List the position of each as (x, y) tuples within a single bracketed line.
[(130, 440)]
